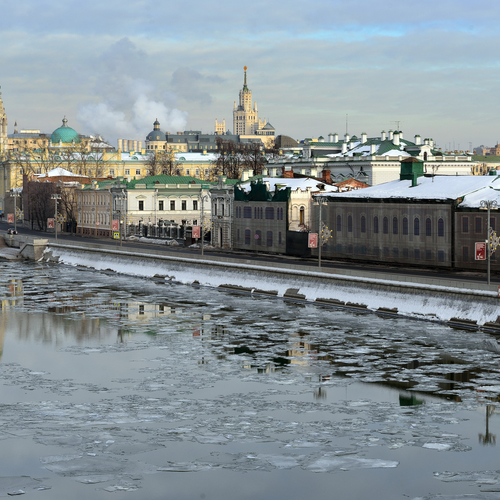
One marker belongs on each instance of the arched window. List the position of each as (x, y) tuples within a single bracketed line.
[(375, 224), (302, 212), (405, 225), (394, 225), (349, 223), (440, 227), (428, 226), (416, 226), (269, 238), (258, 237), (363, 224), (247, 236), (385, 225), (339, 223)]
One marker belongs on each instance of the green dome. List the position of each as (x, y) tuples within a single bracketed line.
[(64, 134)]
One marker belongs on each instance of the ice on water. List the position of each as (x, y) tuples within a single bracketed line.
[(173, 379)]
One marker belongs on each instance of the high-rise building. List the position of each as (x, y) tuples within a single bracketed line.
[(245, 118)]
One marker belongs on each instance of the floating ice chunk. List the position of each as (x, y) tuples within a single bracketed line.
[(329, 463), (437, 446)]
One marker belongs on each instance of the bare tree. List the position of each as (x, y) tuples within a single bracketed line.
[(230, 160), (38, 205), (253, 157)]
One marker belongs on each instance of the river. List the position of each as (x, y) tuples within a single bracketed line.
[(117, 384)]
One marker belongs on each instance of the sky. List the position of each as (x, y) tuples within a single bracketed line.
[(314, 68)]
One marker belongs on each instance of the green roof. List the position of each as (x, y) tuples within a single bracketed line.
[(64, 134), (165, 179)]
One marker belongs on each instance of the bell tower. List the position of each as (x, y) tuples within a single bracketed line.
[(244, 117)]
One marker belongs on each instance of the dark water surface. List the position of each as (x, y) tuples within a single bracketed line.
[(114, 385)]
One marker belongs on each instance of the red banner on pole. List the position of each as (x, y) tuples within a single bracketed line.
[(481, 250), (312, 241), (10, 218), (50, 223), (196, 231), (115, 225)]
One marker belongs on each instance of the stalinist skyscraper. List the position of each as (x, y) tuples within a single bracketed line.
[(245, 120), (3, 126)]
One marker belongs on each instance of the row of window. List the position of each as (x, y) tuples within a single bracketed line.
[(258, 212), (161, 205), (478, 224), (394, 253), (395, 226), (258, 237)]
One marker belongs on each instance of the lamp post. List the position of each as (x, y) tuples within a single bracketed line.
[(489, 205), (55, 197), (321, 237), (203, 198), (15, 195)]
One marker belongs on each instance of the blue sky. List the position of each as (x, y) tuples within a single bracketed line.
[(113, 67)]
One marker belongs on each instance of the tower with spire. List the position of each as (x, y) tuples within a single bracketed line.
[(245, 121), (3, 126)]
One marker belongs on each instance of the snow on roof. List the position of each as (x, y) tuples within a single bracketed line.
[(439, 187), (196, 156), (487, 193), (60, 172), (302, 184)]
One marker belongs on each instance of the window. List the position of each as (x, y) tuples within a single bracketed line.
[(363, 224), (441, 255), (465, 224), (405, 253), (161, 205), (405, 226), (339, 223), (349, 223), (172, 205), (395, 253), (138, 171), (416, 226), (479, 224), (394, 225), (141, 205), (183, 205), (465, 253), (428, 255), (187, 171), (440, 227), (247, 236), (112, 172), (269, 238), (258, 237), (417, 254), (195, 204), (385, 225), (375, 224), (247, 212), (428, 227), (269, 212)]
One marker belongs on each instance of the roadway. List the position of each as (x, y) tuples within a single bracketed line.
[(312, 263)]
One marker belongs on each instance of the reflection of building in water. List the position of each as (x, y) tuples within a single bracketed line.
[(487, 437), (142, 311), (301, 352)]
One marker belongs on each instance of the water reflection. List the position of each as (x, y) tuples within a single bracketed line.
[(488, 437)]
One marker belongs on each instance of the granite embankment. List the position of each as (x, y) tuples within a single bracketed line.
[(464, 303)]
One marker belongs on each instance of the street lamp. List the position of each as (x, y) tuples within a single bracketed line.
[(323, 232), (490, 237), (15, 195), (203, 198), (55, 197)]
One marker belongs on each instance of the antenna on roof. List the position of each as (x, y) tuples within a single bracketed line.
[(397, 122), (346, 123)]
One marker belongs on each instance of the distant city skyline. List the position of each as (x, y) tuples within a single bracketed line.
[(112, 69)]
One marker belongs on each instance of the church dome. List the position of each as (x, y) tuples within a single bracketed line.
[(64, 134)]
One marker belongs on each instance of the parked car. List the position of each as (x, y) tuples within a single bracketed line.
[(11, 230)]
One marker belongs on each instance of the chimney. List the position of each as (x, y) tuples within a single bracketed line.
[(335, 137), (363, 137), (326, 176), (431, 143), (288, 172), (391, 135), (400, 135), (382, 135), (330, 137), (418, 140), (344, 147), (346, 138), (395, 139), (373, 148)]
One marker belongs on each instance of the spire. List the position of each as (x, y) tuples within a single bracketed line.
[(245, 88)]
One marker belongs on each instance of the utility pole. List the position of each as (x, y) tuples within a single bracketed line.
[(55, 197)]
